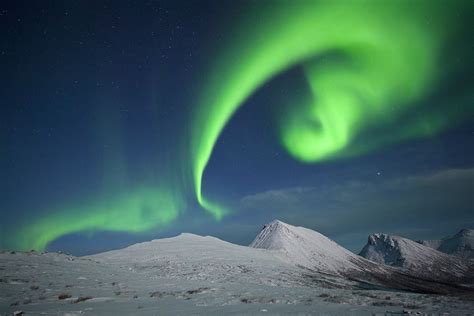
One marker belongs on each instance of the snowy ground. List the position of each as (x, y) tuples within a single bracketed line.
[(193, 275)]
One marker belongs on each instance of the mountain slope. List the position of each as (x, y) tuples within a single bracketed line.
[(33, 283), (460, 245), (311, 250), (307, 248), (194, 257), (291, 256), (420, 260)]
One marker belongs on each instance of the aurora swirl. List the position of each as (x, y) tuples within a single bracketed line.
[(387, 55)]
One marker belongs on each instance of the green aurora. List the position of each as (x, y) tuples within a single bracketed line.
[(138, 211), (367, 64), (388, 54)]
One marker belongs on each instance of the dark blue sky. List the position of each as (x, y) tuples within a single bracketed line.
[(97, 99)]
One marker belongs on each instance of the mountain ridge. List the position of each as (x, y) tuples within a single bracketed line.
[(280, 252), (460, 244), (407, 254)]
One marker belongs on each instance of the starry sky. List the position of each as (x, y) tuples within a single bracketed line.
[(124, 121)]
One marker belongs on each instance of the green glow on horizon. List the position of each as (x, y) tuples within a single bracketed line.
[(136, 212), (389, 54)]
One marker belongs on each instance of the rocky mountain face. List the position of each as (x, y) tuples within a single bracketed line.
[(417, 259), (388, 261)]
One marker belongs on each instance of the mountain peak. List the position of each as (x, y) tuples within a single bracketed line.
[(380, 238), (305, 247), (383, 248), (276, 222), (271, 237)]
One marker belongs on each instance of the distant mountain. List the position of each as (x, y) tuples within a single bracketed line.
[(420, 260), (460, 245)]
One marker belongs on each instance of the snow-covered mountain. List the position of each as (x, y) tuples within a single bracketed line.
[(420, 260), (281, 254), (287, 269), (286, 254), (195, 257), (420, 268), (307, 248), (460, 245)]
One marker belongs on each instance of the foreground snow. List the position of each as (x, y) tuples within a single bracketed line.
[(191, 274)]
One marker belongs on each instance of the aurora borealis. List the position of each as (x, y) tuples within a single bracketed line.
[(139, 103), (388, 62)]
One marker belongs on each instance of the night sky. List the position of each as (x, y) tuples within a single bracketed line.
[(123, 121)]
